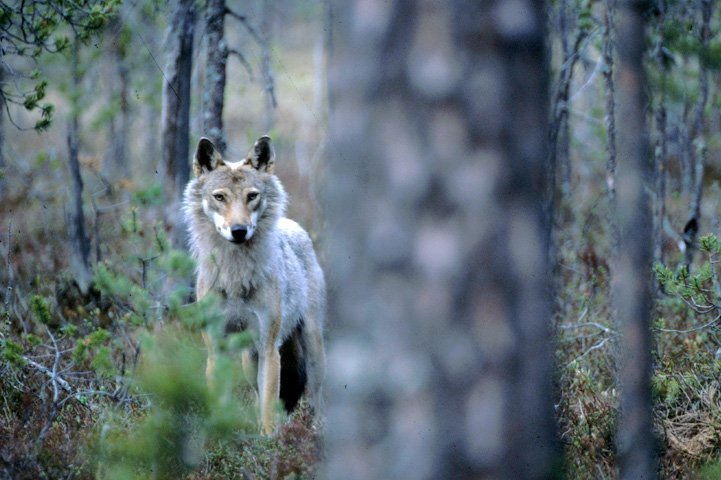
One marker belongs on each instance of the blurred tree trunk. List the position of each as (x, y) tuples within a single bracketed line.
[(215, 73), (176, 112), (698, 136), (120, 124), (266, 27), (441, 359), (2, 132), (611, 160), (661, 151), (631, 280), (560, 128), (80, 244)]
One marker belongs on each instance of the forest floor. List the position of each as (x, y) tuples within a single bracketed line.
[(110, 384), (686, 383)]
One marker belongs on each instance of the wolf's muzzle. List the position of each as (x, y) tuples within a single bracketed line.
[(239, 233)]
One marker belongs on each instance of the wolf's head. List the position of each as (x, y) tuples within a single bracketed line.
[(237, 196)]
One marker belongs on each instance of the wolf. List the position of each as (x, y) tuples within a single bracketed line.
[(263, 267)]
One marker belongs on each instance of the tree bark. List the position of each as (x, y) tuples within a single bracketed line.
[(268, 81), (611, 160), (215, 73), (121, 122), (2, 133), (661, 153), (440, 364), (631, 269), (176, 112), (80, 244), (698, 144)]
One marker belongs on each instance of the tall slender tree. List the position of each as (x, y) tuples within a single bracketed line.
[(120, 123), (698, 134), (80, 243), (631, 268), (661, 151), (175, 128), (268, 82), (440, 362), (2, 132), (215, 73)]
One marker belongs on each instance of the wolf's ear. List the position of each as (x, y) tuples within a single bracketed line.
[(261, 156), (207, 158)]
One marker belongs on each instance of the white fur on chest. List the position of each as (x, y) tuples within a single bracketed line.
[(254, 279)]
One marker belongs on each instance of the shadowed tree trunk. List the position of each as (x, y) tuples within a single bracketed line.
[(215, 72), (611, 160), (176, 112), (661, 153), (2, 132), (698, 136), (559, 135), (80, 244), (120, 124), (631, 268), (440, 363)]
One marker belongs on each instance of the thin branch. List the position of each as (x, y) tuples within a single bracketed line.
[(244, 20), (694, 329), (243, 61), (594, 347), (56, 363), (587, 324), (45, 370)]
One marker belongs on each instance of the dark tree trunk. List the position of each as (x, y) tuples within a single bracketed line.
[(121, 122), (80, 244), (215, 72), (631, 281), (440, 363), (698, 144), (563, 147), (610, 97), (661, 144), (176, 111), (2, 133), (611, 160)]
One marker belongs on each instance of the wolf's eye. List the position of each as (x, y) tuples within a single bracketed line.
[(252, 196), (219, 197)]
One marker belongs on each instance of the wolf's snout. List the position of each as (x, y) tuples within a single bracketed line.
[(239, 232)]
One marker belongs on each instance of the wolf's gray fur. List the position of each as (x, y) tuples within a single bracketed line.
[(267, 275)]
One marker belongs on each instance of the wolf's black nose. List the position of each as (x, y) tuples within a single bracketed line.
[(239, 232)]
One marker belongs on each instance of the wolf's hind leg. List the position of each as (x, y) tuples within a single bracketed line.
[(293, 377), (312, 336)]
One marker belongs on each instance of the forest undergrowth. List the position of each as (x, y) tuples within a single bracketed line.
[(687, 358), (111, 383)]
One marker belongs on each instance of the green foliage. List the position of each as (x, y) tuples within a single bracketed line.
[(585, 15), (665, 388), (185, 418), (12, 353), (711, 471), (40, 309), (150, 196), (33, 28), (94, 348), (701, 290)]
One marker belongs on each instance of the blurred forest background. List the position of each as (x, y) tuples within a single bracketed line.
[(516, 204)]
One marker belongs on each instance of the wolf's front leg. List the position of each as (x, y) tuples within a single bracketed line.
[(210, 363), (268, 385)]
